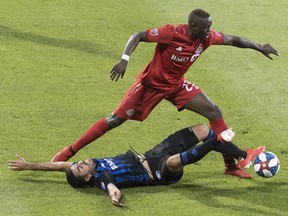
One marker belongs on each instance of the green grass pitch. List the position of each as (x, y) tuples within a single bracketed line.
[(55, 59)]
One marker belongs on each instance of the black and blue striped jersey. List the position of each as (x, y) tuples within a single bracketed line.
[(124, 170)]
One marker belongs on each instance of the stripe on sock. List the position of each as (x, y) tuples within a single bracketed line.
[(210, 135), (184, 158)]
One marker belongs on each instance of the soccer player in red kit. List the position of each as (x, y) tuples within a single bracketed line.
[(178, 47)]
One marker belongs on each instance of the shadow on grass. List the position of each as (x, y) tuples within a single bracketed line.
[(44, 177), (79, 45), (255, 195), (42, 181), (212, 196), (209, 195)]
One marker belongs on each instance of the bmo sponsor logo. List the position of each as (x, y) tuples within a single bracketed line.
[(179, 59), (184, 59), (197, 53)]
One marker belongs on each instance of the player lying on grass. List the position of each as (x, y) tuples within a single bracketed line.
[(161, 165)]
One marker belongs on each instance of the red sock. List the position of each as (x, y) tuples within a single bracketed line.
[(95, 131), (218, 126)]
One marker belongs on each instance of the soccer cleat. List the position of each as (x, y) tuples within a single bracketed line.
[(64, 155), (251, 154), (226, 136), (236, 170)]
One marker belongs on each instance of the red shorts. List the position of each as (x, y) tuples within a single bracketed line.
[(140, 100)]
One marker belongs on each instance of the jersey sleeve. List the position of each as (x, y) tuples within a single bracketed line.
[(163, 34), (104, 179), (215, 38)]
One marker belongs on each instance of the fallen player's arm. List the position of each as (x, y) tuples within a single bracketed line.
[(21, 164), (107, 183)]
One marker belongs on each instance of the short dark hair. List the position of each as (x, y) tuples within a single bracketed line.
[(77, 182), (198, 13)]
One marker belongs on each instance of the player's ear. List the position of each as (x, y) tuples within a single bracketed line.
[(193, 27), (88, 177)]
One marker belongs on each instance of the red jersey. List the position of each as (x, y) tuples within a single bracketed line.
[(174, 54)]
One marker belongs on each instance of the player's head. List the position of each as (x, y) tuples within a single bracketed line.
[(199, 22), (81, 173)]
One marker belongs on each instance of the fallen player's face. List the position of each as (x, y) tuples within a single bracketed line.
[(83, 168)]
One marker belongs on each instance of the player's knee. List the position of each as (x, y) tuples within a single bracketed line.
[(214, 112), (114, 121), (204, 132), (201, 131), (171, 174), (174, 163)]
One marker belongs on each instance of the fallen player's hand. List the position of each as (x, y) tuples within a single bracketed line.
[(17, 165), (115, 195)]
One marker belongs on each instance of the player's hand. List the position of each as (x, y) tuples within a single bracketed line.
[(118, 70), (267, 49), (115, 195), (17, 165)]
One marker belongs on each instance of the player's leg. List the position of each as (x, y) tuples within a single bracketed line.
[(245, 160), (97, 130), (180, 141), (201, 104), (176, 162), (205, 107), (137, 103), (190, 97), (174, 144)]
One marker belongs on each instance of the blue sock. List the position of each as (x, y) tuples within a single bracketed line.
[(210, 135), (197, 152), (189, 156)]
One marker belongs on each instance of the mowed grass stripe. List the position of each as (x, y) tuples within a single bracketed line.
[(55, 62)]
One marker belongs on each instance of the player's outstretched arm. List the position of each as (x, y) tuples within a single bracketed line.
[(21, 164), (236, 41), (114, 194), (119, 69)]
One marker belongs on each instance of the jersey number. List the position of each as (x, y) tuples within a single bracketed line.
[(189, 86)]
